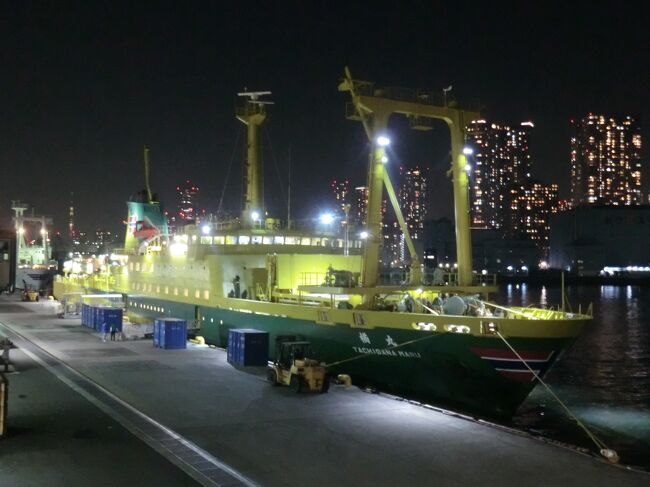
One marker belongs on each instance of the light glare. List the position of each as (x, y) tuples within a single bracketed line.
[(383, 141)]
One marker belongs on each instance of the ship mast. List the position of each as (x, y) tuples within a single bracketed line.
[(252, 113), (373, 106), (146, 174)]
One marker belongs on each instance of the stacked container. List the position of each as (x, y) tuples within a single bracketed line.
[(170, 333), (101, 318), (248, 347)]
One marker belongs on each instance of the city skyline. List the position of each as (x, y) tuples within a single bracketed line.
[(81, 101)]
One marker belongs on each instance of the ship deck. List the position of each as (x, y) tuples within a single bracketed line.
[(201, 420)]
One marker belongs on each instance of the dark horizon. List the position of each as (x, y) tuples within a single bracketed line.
[(87, 85)]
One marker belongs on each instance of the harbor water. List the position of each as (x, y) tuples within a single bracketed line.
[(604, 378)]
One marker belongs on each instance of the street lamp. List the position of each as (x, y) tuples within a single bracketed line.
[(346, 210), (326, 218)]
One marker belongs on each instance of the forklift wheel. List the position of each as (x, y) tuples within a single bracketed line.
[(296, 383), (326, 385), (272, 376)]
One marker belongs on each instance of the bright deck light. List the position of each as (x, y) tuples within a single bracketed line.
[(255, 215), (468, 168), (205, 229), (326, 218), (384, 159), (468, 151), (363, 235), (383, 141)]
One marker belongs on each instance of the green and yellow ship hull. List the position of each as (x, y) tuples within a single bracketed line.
[(456, 362)]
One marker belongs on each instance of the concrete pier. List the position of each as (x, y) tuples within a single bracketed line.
[(186, 417)]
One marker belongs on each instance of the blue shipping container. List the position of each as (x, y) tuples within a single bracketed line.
[(248, 347), (106, 317), (170, 333), (84, 314)]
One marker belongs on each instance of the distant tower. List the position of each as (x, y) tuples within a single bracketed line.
[(187, 195), (341, 192), (71, 227), (413, 199), (501, 158), (606, 161), (361, 204)]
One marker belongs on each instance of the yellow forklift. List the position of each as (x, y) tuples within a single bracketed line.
[(293, 368)]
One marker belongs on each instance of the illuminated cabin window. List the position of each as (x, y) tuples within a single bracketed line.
[(244, 240), (231, 240), (166, 289), (219, 240), (135, 286), (151, 267), (292, 240), (206, 294), (339, 242), (197, 294), (157, 289), (193, 238), (305, 241), (206, 240), (175, 291), (149, 286), (137, 266), (256, 239), (267, 240), (162, 310), (186, 292), (325, 242), (130, 266), (278, 240), (315, 241)]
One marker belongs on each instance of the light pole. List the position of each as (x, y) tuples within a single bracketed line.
[(346, 209)]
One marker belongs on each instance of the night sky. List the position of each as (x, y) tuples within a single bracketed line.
[(85, 85)]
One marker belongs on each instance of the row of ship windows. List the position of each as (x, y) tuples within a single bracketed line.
[(277, 240), (148, 307), (144, 267), (138, 286)]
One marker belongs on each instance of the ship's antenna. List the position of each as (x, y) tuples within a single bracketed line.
[(146, 174)]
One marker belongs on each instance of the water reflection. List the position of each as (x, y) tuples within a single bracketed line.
[(605, 373)]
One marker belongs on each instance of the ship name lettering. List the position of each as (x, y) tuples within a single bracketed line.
[(386, 352)]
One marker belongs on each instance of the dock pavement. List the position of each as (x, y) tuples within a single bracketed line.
[(87, 412)]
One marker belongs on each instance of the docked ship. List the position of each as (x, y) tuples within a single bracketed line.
[(441, 341), (34, 265)]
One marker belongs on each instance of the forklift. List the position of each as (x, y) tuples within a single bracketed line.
[(293, 368), (29, 294)]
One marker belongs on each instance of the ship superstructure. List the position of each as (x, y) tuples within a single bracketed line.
[(442, 343)]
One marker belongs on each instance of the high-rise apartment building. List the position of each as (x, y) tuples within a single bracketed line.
[(341, 192), (606, 161), (360, 204), (412, 197), (531, 205), (187, 194), (501, 157)]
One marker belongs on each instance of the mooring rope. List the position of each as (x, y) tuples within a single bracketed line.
[(606, 452)]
